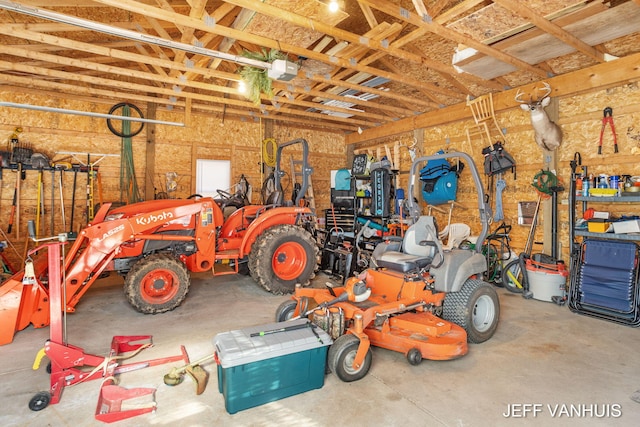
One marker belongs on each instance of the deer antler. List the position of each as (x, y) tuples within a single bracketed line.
[(547, 89), (519, 97)]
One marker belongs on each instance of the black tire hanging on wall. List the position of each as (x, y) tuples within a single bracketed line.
[(282, 256), (156, 284), (475, 308), (131, 133)]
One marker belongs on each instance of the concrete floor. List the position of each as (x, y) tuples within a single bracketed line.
[(542, 357)]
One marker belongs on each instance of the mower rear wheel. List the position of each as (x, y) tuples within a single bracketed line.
[(285, 310), (281, 257), (341, 355), (157, 284), (475, 308)]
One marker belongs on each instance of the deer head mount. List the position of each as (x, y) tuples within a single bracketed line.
[(548, 134)]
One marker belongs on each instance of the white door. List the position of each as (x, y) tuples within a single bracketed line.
[(212, 175)]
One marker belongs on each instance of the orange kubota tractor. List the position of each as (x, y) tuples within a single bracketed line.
[(418, 299), (155, 244)]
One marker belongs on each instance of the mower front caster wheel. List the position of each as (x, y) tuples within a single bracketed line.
[(285, 310), (40, 401), (414, 356), (341, 356)]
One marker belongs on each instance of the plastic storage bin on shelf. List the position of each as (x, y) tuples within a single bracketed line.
[(265, 363)]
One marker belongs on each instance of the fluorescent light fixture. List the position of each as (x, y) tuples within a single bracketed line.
[(128, 34), (90, 114)]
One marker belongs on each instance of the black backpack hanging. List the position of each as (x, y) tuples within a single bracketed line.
[(497, 160)]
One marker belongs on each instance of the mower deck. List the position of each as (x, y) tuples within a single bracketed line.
[(435, 338)]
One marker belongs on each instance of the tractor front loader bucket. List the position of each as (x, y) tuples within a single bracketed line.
[(23, 303)]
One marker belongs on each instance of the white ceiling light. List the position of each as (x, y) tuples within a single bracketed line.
[(334, 6)]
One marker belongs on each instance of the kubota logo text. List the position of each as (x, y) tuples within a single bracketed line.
[(149, 219), (112, 232)]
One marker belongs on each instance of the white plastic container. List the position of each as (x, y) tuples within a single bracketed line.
[(545, 283)]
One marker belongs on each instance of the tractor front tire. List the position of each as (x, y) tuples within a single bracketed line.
[(156, 284), (341, 355), (475, 308), (281, 257)]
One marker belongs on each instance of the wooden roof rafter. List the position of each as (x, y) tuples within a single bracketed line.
[(433, 26), (553, 29), (160, 78), (93, 84), (433, 52), (141, 8), (339, 34)]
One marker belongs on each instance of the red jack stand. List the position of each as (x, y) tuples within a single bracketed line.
[(67, 361)]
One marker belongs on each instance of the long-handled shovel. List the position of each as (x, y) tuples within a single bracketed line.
[(16, 197)]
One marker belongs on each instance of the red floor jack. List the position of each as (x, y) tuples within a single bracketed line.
[(70, 365)]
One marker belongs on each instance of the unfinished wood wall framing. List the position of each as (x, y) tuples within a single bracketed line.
[(175, 150), (580, 117)]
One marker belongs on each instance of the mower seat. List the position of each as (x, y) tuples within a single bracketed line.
[(419, 247)]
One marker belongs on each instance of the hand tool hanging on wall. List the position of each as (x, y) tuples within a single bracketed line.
[(575, 163), (53, 198), (39, 204), (1, 160), (501, 184), (72, 234), (62, 167), (608, 119), (14, 205), (89, 199)]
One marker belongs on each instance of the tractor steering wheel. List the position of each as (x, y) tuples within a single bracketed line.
[(224, 194)]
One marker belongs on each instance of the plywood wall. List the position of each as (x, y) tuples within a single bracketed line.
[(175, 151), (580, 117)]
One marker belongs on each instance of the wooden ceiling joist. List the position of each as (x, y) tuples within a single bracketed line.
[(549, 27), (429, 55), (444, 32), (158, 13)]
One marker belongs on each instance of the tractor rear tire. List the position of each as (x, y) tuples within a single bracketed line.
[(475, 308), (281, 257), (340, 358), (156, 284)]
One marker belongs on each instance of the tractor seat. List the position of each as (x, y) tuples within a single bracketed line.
[(419, 246), (402, 262)]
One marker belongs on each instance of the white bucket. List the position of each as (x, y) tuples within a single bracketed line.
[(545, 284)]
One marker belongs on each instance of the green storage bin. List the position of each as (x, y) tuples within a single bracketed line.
[(254, 370)]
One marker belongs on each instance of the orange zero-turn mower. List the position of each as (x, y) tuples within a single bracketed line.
[(417, 299)]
